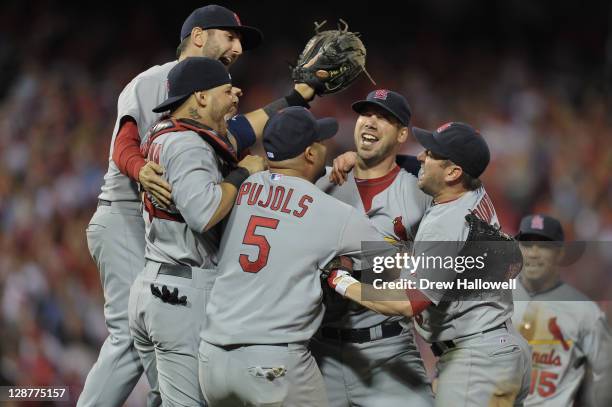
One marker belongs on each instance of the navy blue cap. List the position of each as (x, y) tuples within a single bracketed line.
[(458, 142), (191, 75), (214, 16), (542, 226), (290, 131), (390, 101)]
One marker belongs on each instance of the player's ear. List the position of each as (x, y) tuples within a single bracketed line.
[(310, 154), (198, 36), (453, 173), (403, 134), (202, 98)]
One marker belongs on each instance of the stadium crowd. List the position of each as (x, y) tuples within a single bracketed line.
[(551, 153)]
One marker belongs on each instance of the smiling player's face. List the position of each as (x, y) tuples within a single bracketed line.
[(377, 135), (222, 45), (539, 259)]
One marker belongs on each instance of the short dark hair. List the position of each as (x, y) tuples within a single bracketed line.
[(182, 46), (467, 181), (470, 183)]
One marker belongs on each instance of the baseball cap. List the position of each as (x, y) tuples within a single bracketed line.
[(290, 131), (543, 226), (215, 16), (458, 142), (192, 75), (390, 101)]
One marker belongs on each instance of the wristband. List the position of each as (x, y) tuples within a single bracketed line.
[(292, 99), (295, 98), (344, 281), (237, 176)]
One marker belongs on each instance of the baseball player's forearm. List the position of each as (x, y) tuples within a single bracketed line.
[(126, 150), (258, 119), (300, 96), (228, 196), (392, 307)]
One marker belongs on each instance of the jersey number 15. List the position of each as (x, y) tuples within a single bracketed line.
[(253, 239)]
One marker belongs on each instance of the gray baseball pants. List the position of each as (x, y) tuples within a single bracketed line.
[(386, 372), (116, 240), (260, 375), (486, 369), (171, 330)]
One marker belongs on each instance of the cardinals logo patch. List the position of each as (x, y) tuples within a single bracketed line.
[(399, 229)]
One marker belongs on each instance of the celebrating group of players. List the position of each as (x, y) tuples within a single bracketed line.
[(212, 278)]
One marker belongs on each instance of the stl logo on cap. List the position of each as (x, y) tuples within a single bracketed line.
[(537, 222), (237, 19), (444, 127), (381, 94)]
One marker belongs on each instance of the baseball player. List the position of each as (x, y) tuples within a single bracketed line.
[(266, 302), (168, 297), (482, 361), (366, 358), (569, 336), (115, 234)]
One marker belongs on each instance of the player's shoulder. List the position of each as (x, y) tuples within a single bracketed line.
[(157, 71), (156, 74), (408, 184), (582, 303), (176, 142)]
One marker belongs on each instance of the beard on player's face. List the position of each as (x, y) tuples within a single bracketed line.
[(222, 103), (431, 178), (218, 47)]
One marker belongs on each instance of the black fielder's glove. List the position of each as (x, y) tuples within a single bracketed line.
[(331, 60), (167, 296)]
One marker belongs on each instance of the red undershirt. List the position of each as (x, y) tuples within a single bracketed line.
[(126, 151), (368, 189)]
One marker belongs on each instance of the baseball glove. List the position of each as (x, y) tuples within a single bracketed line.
[(503, 258), (331, 60)]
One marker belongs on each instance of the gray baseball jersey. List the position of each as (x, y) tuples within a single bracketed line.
[(395, 209), (142, 94), (193, 170), (445, 222), (281, 231), (116, 241), (567, 333)]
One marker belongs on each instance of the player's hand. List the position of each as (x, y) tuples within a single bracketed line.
[(340, 280), (341, 167), (152, 182), (305, 90), (253, 163)]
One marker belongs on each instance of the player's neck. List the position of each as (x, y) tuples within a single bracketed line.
[(364, 170), (448, 194), (188, 111)]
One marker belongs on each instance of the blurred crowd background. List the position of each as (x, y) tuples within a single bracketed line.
[(534, 77)]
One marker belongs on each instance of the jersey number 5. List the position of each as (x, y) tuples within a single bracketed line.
[(253, 239)]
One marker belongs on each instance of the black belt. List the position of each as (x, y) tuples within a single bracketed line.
[(175, 270), (361, 335), (243, 345), (105, 202), (438, 348)]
